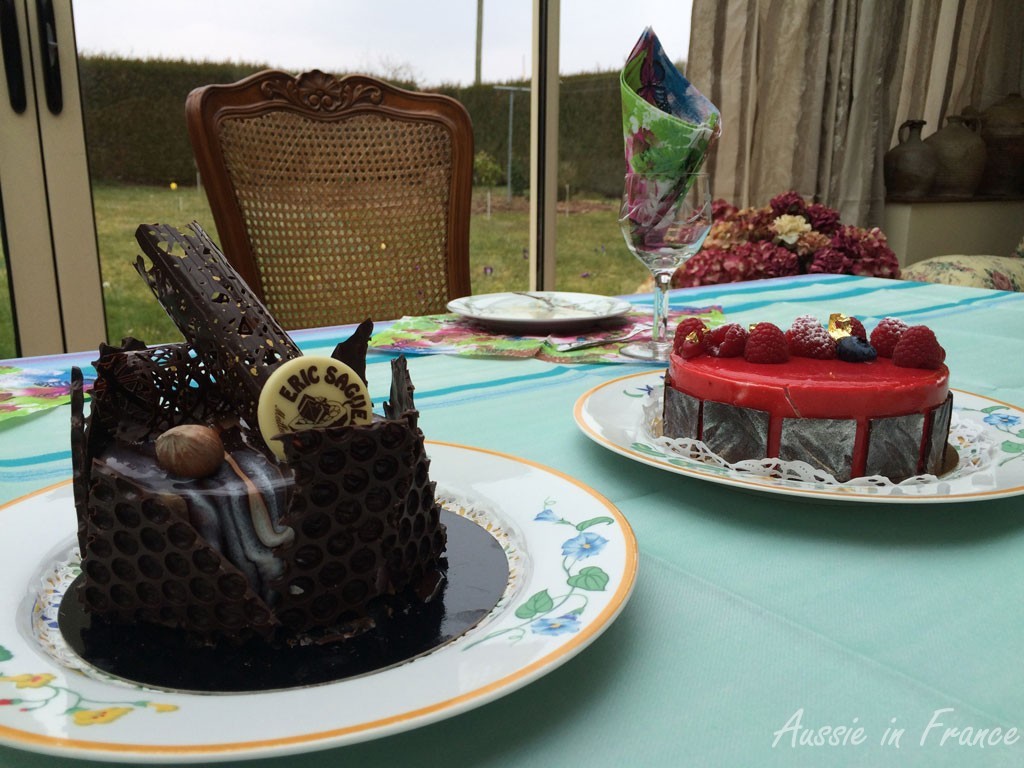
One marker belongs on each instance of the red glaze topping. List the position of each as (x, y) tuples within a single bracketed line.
[(808, 388)]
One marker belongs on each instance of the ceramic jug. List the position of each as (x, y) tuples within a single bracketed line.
[(910, 166), (1002, 128), (960, 158)]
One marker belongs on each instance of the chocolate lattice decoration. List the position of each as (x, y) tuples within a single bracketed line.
[(142, 391), (144, 561), (364, 515), (366, 520), (216, 312), (139, 392)]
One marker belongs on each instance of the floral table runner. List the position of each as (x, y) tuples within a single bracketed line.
[(35, 388), (453, 335), (24, 391)]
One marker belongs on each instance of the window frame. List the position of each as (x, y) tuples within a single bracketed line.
[(49, 229)]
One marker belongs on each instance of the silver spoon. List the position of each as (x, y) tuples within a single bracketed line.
[(544, 299), (572, 346)]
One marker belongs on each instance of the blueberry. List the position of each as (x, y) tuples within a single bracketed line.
[(855, 350)]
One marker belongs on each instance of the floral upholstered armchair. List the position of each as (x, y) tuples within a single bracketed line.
[(1004, 273)]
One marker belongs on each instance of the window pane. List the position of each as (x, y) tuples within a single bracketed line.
[(6, 314), (139, 152), (596, 37)]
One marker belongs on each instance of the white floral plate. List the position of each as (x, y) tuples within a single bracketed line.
[(541, 311), (572, 560), (611, 414)]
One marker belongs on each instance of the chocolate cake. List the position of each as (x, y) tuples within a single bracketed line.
[(287, 537), (862, 416)]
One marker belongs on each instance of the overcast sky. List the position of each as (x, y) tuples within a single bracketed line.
[(431, 41)]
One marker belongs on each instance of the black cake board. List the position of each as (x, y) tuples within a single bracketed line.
[(160, 657)]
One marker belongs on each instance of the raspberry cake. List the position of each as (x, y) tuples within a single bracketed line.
[(191, 518), (845, 404)]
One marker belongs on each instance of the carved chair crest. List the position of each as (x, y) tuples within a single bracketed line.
[(321, 92)]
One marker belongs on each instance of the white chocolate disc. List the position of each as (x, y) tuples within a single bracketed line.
[(311, 391)]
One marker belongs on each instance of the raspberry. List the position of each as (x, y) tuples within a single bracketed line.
[(857, 329), (918, 348), (689, 337), (688, 325), (726, 340), (809, 338), (854, 349), (691, 346), (886, 334), (766, 344)]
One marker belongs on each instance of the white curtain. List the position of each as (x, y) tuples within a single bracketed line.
[(812, 92)]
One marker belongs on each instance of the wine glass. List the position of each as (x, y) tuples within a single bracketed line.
[(664, 220)]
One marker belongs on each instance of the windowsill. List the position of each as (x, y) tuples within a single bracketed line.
[(932, 200), (924, 227)]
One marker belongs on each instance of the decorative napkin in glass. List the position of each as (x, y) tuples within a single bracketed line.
[(667, 124), (453, 335)]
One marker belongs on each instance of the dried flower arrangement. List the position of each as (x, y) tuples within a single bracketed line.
[(789, 236)]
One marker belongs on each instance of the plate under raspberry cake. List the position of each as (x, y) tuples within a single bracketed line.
[(848, 404)]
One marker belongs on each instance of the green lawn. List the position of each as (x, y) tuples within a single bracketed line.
[(592, 257), (131, 308)]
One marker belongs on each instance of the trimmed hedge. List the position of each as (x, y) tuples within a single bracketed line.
[(134, 115)]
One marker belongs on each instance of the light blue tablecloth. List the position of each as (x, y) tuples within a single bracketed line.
[(750, 610)]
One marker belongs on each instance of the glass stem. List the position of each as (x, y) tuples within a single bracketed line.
[(662, 281)]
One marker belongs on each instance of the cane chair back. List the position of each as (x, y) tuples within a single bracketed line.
[(337, 199)]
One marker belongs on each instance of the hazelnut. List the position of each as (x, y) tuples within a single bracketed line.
[(190, 450)]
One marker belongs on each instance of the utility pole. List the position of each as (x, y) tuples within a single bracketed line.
[(479, 38), (511, 122)]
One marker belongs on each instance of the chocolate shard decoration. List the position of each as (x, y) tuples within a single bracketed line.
[(934, 460), (401, 404), (79, 453), (352, 351), (888, 439), (735, 433), (220, 507), (681, 414), (238, 340), (145, 561), (128, 344), (823, 443), (144, 391), (365, 517)]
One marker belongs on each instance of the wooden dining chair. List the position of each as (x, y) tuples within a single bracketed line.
[(337, 199)]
